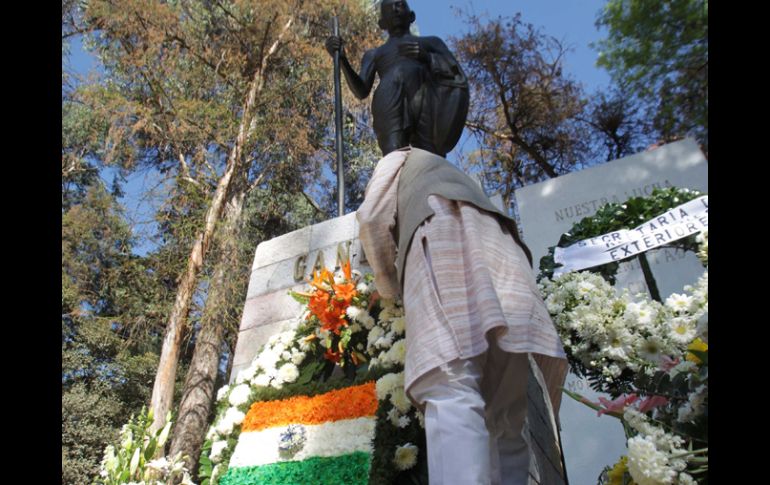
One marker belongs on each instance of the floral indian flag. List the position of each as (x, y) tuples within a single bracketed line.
[(320, 439)]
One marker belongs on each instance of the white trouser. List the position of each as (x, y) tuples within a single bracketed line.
[(474, 414)]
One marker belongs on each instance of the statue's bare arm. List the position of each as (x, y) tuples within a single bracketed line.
[(360, 84)]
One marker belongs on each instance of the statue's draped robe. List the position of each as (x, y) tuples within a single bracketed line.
[(465, 281)]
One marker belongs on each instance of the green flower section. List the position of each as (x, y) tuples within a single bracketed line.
[(352, 469)]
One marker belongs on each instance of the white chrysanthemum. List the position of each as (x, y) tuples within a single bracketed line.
[(297, 358), (287, 337), (285, 355), (212, 432), (386, 384), (399, 400), (268, 358), (239, 394), (374, 334), (679, 303), (397, 353), (232, 417), (398, 325), (385, 341), (393, 416), (646, 464), (682, 330), (367, 321), (362, 288), (354, 312), (262, 380), (288, 373), (216, 450), (222, 392), (374, 362), (278, 349), (405, 456)]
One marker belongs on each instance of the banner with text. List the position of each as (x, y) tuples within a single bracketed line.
[(681, 221)]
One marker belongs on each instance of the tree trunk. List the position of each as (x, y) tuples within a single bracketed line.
[(198, 395), (163, 389)]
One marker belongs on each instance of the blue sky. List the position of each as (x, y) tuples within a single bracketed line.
[(590, 443)]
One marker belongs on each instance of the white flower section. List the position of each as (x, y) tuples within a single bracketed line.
[(400, 401), (679, 303), (335, 438), (232, 418), (387, 383), (262, 380), (682, 330), (297, 358), (216, 450), (239, 395), (405, 456), (646, 464), (288, 373), (222, 392), (374, 334), (398, 325), (396, 354)]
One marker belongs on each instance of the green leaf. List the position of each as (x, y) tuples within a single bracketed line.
[(151, 447), (302, 300)]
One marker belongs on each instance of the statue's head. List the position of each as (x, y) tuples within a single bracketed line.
[(395, 14)]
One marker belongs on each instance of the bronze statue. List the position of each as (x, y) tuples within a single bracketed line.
[(422, 99)]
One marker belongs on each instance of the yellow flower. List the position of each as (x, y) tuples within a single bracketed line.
[(698, 345), (616, 474)]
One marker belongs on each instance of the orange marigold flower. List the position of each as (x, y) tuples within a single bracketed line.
[(347, 403)]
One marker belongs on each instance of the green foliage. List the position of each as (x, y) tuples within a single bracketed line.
[(659, 52), (134, 458)]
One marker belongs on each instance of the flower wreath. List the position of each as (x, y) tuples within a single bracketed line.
[(650, 356), (342, 329)]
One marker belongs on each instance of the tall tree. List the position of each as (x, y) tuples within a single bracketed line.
[(658, 51), (524, 110), (106, 366), (282, 166), (212, 91)]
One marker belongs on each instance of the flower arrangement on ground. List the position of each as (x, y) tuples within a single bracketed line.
[(652, 359), (289, 415)]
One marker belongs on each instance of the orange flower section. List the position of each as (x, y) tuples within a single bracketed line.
[(347, 403)]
